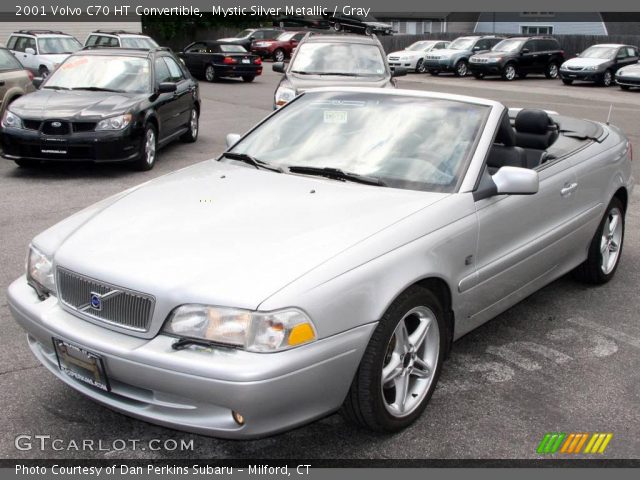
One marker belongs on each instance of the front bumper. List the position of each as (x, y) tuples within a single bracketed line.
[(628, 81), (238, 70), (264, 52), (27, 144), (439, 65), (197, 389), (583, 75), (486, 68), (411, 63)]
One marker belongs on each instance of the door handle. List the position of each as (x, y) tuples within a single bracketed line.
[(568, 189)]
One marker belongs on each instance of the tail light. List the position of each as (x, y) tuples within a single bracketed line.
[(229, 60), (258, 61), (29, 74)]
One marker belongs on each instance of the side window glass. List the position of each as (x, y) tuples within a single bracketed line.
[(162, 71), (91, 41), (622, 54), (174, 69), (529, 46), (11, 44), (31, 43)]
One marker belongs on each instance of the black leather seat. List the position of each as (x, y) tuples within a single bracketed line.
[(535, 132), (504, 152)]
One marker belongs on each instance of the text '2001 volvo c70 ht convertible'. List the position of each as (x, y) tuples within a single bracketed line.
[(327, 260)]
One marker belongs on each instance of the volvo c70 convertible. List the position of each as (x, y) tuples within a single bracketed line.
[(326, 261)]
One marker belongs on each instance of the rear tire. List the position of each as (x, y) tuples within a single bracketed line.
[(210, 73), (194, 127), (279, 55), (567, 81), (368, 31), (148, 149), (606, 247), (248, 78), (337, 27), (43, 72), (401, 365)]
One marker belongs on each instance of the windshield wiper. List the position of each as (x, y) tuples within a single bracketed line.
[(97, 89), (248, 159), (336, 174), (56, 87)]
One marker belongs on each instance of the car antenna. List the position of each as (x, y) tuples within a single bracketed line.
[(610, 112)]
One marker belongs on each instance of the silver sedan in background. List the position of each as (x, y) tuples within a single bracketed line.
[(327, 261), (412, 57)]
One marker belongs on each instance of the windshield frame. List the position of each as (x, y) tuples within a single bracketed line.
[(71, 58), (476, 155)]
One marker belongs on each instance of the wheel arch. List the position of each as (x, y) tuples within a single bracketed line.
[(622, 195)]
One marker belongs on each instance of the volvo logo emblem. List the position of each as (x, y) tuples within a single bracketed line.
[(56, 124), (97, 300)]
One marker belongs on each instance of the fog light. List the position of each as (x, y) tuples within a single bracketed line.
[(237, 417)]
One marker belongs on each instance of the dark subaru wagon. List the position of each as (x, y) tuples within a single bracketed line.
[(518, 57)]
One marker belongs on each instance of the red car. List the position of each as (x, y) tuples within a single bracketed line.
[(278, 49)]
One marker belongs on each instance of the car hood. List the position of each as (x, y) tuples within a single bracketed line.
[(224, 234), (585, 62), (446, 52), (72, 105), (406, 53), (493, 54), (631, 71), (301, 83)]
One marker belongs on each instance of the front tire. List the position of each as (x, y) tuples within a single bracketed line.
[(605, 248), (509, 72), (248, 78), (461, 68), (148, 150), (279, 55), (194, 127), (551, 71), (607, 79), (401, 365), (368, 31), (43, 72)]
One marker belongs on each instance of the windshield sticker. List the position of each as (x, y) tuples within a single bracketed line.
[(74, 63), (335, 116)]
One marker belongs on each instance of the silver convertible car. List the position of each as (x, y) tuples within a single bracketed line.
[(327, 261)]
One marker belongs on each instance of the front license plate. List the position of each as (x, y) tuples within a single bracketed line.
[(81, 364), (56, 151), (246, 60)]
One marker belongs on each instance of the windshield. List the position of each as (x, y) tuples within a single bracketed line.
[(462, 44), (229, 48), (339, 58), (138, 42), (8, 61), (420, 46), (53, 45), (244, 33), (102, 72), (406, 142), (508, 46), (599, 52), (286, 36)]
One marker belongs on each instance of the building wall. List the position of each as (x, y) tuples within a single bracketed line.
[(80, 30), (561, 23)]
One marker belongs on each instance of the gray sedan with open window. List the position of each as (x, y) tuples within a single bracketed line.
[(326, 261)]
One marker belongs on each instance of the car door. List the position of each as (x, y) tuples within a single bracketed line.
[(182, 97), (625, 56), (195, 57), (524, 238), (528, 56), (166, 108)]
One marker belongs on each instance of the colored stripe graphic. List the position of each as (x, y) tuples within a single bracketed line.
[(573, 443)]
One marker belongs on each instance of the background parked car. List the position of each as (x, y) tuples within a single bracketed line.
[(330, 60), (119, 38), (15, 81), (412, 57), (359, 24), (519, 56), (41, 51), (298, 21), (212, 60), (104, 105), (280, 48), (248, 36), (598, 63), (455, 58), (628, 77)]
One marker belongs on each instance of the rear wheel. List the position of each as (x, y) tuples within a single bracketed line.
[(148, 150), (210, 74), (337, 27), (368, 31), (248, 78), (401, 365), (461, 68), (191, 135), (552, 70), (607, 79), (509, 72), (605, 248), (567, 81), (278, 55)]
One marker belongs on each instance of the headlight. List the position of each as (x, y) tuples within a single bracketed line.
[(495, 59), (284, 95), (11, 120), (620, 72), (262, 44), (114, 123), (253, 331), (40, 272), (592, 68)]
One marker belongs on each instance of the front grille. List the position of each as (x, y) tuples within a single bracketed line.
[(432, 57), (575, 69), (54, 127), (394, 58), (84, 126), (31, 124), (479, 60), (115, 305)]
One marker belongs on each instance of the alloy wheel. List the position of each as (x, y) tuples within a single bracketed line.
[(150, 147), (278, 56), (509, 72), (611, 241), (193, 123), (210, 73), (420, 67), (606, 79), (462, 69), (553, 71), (410, 362)]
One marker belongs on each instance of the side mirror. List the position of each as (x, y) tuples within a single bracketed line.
[(399, 72), (278, 67), (37, 81), (167, 87), (30, 51), (232, 139), (516, 181), (524, 50)]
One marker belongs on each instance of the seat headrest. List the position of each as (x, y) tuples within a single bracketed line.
[(532, 121), (506, 135)]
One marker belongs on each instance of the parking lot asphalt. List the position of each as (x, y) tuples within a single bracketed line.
[(567, 359)]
